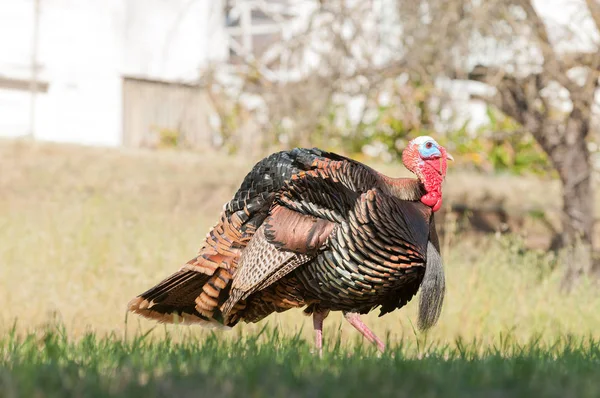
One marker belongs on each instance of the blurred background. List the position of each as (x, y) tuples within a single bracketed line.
[(127, 124)]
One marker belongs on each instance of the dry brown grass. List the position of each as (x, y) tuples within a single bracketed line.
[(83, 230)]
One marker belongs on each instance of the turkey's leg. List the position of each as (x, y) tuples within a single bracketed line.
[(359, 325), (318, 317)]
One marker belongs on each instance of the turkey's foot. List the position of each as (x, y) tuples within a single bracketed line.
[(354, 319)]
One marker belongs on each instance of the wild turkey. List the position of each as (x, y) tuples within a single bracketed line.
[(309, 228)]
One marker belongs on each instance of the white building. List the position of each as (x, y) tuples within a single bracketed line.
[(106, 69), (85, 48)]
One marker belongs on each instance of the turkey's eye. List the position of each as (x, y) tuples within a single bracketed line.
[(429, 145)]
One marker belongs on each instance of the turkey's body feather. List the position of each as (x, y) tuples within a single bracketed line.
[(306, 228)]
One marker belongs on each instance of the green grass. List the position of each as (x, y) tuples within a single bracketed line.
[(48, 364)]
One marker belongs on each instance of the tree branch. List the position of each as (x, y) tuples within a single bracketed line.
[(553, 66), (581, 59), (539, 28), (594, 8)]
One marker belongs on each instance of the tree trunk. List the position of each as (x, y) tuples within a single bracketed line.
[(577, 229), (575, 170)]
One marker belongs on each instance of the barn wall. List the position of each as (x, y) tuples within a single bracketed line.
[(85, 47), (155, 109)]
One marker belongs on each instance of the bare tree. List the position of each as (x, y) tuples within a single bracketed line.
[(507, 46), (337, 55)]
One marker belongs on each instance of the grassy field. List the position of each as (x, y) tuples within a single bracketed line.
[(83, 230), (50, 365)]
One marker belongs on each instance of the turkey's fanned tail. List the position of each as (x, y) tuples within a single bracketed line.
[(174, 300)]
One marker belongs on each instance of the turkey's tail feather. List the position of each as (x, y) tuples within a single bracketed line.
[(186, 297), (433, 289)]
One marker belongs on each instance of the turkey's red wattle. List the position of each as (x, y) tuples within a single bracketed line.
[(433, 200), (431, 174)]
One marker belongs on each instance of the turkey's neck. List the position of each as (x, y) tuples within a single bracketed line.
[(428, 190), (404, 188)]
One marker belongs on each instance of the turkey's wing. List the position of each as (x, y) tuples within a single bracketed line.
[(261, 264)]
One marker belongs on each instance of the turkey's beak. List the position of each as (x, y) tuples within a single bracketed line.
[(449, 157)]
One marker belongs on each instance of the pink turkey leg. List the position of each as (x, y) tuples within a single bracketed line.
[(359, 325), (318, 317)]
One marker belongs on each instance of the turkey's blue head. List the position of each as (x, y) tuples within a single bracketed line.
[(428, 160), (428, 147)]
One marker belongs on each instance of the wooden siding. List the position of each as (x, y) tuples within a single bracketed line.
[(155, 110)]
